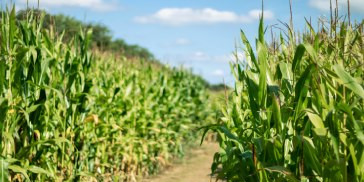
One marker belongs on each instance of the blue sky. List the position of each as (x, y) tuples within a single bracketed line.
[(200, 34)]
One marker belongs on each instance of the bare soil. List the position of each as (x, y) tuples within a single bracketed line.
[(195, 167)]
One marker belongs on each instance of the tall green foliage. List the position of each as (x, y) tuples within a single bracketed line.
[(297, 110), (66, 114)]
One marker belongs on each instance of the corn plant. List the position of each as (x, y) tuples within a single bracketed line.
[(297, 110), (69, 114)]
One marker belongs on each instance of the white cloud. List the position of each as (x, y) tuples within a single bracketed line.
[(227, 58), (182, 41), (218, 72), (204, 57), (256, 14), (199, 56), (324, 5), (97, 5), (183, 16)]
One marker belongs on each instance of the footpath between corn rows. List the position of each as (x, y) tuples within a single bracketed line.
[(194, 168)]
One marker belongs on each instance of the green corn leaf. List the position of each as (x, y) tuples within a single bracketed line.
[(253, 96), (333, 126), (311, 51), (249, 49), (12, 27), (261, 30), (322, 132), (355, 160), (361, 163), (286, 72), (228, 133), (2, 75), (349, 82), (262, 57), (311, 158), (315, 120), (301, 84), (4, 173), (37, 170), (276, 111), (3, 111), (301, 90), (284, 171), (300, 51), (356, 127)]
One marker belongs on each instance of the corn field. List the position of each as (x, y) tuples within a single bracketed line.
[(297, 110), (67, 114)]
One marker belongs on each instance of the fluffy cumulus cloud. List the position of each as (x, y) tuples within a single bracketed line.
[(256, 14), (97, 5), (324, 5), (183, 16)]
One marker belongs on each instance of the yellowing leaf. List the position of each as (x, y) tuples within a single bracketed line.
[(315, 120)]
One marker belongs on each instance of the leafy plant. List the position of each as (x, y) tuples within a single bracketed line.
[(68, 114), (297, 110)]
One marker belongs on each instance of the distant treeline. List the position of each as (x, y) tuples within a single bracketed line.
[(218, 87), (102, 36)]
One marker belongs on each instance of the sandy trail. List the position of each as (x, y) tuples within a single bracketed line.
[(195, 168)]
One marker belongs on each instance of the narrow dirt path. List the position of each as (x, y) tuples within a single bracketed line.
[(196, 167)]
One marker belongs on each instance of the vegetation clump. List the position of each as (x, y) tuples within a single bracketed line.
[(297, 110), (67, 114)]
